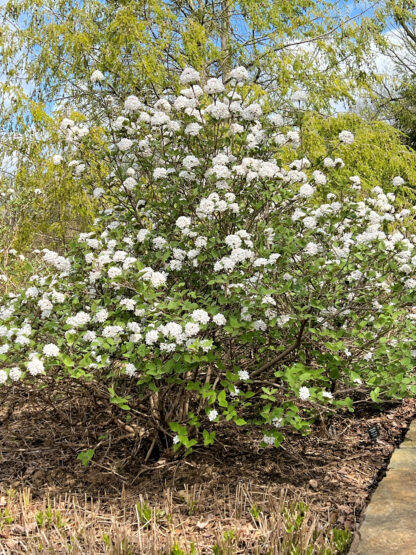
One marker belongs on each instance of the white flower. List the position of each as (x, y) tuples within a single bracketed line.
[(398, 181), (159, 242), (252, 112), (214, 86), (410, 283), (80, 319), (101, 316), (32, 292), (89, 336), (233, 241), (66, 123), (200, 316), (130, 183), (163, 105), (98, 192), (306, 190), (219, 319), (125, 144), (130, 370), (160, 173), (151, 337), (35, 365), (141, 236), (3, 377), (51, 350), (22, 340), (128, 304), (304, 393), (188, 76), (309, 222), (218, 110), (191, 329), (15, 374), (59, 262), (276, 120), (299, 96), (327, 394), (269, 440), (329, 163), (190, 162), (212, 415), (119, 123), (97, 76), (243, 375), (311, 248), (57, 159), (119, 256), (183, 222), (319, 177), (158, 278), (114, 272), (193, 129), (293, 137), (45, 305), (240, 74), (200, 242), (159, 118), (280, 139), (132, 104), (112, 331), (236, 128), (346, 137)]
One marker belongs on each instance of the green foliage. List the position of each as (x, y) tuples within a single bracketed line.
[(140, 46), (49, 517), (146, 514), (86, 456), (379, 154)]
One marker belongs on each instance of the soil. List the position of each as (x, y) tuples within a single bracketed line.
[(334, 469)]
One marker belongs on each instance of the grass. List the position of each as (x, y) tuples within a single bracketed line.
[(252, 521)]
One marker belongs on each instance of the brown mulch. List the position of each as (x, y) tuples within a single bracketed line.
[(335, 469)]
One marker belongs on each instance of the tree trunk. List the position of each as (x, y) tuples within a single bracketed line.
[(225, 25)]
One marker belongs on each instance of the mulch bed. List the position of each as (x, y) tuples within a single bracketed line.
[(335, 469)]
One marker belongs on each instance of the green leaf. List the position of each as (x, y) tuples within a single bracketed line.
[(67, 361), (222, 401), (375, 394), (86, 456)]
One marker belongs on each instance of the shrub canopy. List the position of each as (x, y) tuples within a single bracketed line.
[(219, 286)]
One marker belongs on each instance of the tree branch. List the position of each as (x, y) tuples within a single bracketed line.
[(283, 354)]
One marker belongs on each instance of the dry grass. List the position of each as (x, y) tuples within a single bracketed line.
[(251, 520)]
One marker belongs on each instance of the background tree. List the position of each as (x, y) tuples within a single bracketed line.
[(394, 98)]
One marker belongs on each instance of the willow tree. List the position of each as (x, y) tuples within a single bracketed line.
[(140, 45), (394, 98)]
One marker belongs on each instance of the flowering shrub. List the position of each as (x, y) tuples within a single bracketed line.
[(221, 284)]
